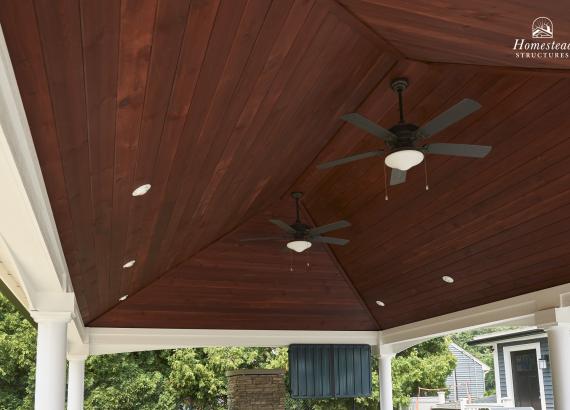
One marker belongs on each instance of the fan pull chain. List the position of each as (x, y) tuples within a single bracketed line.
[(385, 184), (308, 263), (426, 173), (291, 261)]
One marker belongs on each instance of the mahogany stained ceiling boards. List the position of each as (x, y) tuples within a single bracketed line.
[(225, 106), (459, 31), (251, 285), (220, 106)]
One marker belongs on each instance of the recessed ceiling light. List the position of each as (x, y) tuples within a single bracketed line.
[(129, 264), (143, 189), (123, 298), (447, 279), (380, 303)]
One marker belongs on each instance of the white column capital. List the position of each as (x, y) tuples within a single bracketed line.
[(42, 317)]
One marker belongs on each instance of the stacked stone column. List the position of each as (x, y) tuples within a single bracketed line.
[(252, 389)]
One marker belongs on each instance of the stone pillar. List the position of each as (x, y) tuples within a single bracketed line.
[(50, 359), (75, 383), (252, 389), (385, 368)]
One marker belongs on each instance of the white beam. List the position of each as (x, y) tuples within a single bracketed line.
[(115, 340), (519, 311)]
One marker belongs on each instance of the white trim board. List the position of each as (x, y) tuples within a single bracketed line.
[(516, 339), (509, 371)]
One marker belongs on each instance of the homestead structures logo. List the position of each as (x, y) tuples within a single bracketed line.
[(543, 45), (542, 27)]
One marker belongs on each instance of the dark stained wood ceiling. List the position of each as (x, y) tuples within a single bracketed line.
[(226, 106), (460, 31), (249, 285)]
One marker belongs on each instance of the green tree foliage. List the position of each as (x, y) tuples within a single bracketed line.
[(426, 365), (17, 358)]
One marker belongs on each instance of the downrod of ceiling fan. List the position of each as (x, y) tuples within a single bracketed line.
[(297, 196), (399, 85)]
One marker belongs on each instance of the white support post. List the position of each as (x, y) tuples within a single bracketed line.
[(75, 384), (50, 359), (559, 350), (385, 376)]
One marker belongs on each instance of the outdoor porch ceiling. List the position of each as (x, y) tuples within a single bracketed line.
[(225, 107)]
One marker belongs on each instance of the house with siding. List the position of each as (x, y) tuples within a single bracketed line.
[(523, 377), (468, 378)]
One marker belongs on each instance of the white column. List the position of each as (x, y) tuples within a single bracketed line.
[(75, 384), (385, 368), (50, 359), (559, 351)]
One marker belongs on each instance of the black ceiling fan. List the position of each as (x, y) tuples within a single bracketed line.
[(402, 139), (301, 236)]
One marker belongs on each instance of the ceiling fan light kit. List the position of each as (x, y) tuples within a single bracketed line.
[(299, 246), (302, 235), (404, 159)]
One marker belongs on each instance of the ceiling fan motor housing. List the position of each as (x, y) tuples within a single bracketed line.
[(300, 230), (406, 134)]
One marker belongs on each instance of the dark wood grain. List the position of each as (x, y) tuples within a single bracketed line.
[(255, 285), (227, 106), (478, 32), (485, 222)]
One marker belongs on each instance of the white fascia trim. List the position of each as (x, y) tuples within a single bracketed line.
[(22, 172), (509, 371), (504, 333), (516, 339), (30, 249), (466, 353), (516, 311), (117, 340)]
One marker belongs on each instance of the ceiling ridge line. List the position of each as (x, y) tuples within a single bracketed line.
[(186, 260), (342, 271), (364, 29)]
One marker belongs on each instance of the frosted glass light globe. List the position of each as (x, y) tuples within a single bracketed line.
[(404, 159)]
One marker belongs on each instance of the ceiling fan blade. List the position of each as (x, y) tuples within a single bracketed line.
[(397, 177), (267, 238), (369, 126), (333, 241), (459, 150), (351, 158), (283, 225), (329, 227), (454, 114)]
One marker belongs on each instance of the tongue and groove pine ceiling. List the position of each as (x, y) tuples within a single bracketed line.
[(227, 106)]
